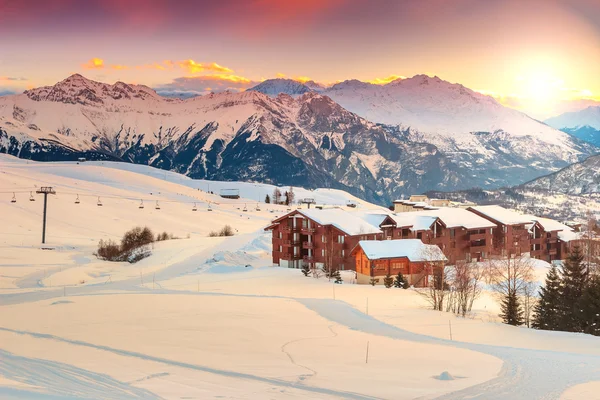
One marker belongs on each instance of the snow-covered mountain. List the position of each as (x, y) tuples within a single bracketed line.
[(274, 87), (307, 140), (579, 178), (583, 124), (589, 116)]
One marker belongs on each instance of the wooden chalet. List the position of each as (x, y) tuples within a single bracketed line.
[(511, 233), (411, 257), (321, 237)]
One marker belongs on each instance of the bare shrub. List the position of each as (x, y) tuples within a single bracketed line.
[(165, 236), (108, 250), (136, 237), (225, 231)]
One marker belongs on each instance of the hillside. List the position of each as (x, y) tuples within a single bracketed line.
[(583, 124), (209, 317)]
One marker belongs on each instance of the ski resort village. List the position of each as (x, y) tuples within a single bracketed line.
[(153, 285), (300, 200)]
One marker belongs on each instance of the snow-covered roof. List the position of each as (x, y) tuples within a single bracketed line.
[(503, 215), (568, 235), (346, 221), (413, 249), (550, 224), (413, 220), (458, 217)]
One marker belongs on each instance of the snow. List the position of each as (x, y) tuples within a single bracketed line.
[(346, 221), (589, 116), (192, 321), (413, 249), (414, 220), (503, 215), (457, 218)]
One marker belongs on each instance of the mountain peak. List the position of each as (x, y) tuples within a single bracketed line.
[(273, 87), (77, 89)]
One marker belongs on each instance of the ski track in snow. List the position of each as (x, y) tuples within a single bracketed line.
[(526, 374), (62, 381)]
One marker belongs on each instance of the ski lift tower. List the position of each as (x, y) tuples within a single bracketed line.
[(45, 190), (308, 201)]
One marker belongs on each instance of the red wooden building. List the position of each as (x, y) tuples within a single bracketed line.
[(511, 233), (411, 257), (321, 237)]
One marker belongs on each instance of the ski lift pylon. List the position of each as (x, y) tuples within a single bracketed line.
[(14, 198), (31, 198), (77, 200)]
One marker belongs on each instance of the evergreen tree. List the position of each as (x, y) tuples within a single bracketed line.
[(512, 312), (589, 304), (388, 281), (305, 269), (574, 279), (546, 312), (337, 276), (400, 282), (287, 198), (267, 199), (291, 196), (374, 281)]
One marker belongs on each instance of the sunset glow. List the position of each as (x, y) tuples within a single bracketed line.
[(509, 49)]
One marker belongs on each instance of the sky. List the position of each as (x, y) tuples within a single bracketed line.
[(540, 56)]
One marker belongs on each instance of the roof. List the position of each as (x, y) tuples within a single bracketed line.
[(413, 249), (457, 218), (346, 221), (567, 236), (550, 224), (414, 220), (503, 215)]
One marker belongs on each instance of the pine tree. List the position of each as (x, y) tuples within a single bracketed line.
[(512, 312), (399, 282), (546, 312), (337, 276), (388, 281), (589, 304), (374, 281), (574, 279), (267, 199), (305, 269), (287, 198)]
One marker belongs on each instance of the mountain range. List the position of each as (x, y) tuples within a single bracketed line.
[(376, 141), (583, 124)]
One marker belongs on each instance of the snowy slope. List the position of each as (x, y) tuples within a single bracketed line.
[(589, 116), (273, 87), (579, 178), (210, 318)]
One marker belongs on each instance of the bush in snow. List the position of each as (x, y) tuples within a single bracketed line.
[(108, 250), (400, 281), (225, 231), (305, 269), (337, 276), (388, 281), (373, 281), (133, 246), (136, 237)]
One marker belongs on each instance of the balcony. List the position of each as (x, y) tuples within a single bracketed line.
[(477, 236), (308, 245), (308, 259), (537, 241), (307, 231), (287, 228)]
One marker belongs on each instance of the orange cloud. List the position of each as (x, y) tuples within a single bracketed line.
[(119, 67), (226, 78), (94, 63), (383, 81), (280, 75), (194, 67), (302, 79)]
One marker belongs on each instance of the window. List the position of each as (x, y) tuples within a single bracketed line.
[(340, 238), (451, 233), (343, 253), (280, 248), (323, 238), (420, 235), (323, 252), (280, 235)]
